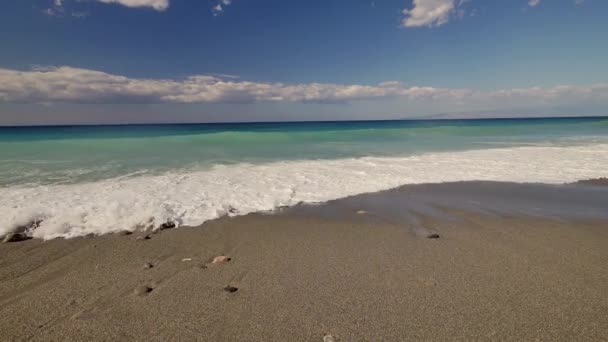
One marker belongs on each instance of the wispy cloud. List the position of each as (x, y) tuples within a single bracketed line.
[(533, 3), (432, 13), (220, 7), (74, 85), (57, 9), (60, 8), (159, 5)]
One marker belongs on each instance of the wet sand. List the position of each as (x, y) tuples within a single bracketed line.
[(360, 269)]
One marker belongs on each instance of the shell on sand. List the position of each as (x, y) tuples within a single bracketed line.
[(220, 259)]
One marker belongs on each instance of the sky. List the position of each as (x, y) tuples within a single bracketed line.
[(155, 61)]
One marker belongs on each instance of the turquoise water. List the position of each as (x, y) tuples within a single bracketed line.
[(74, 154)]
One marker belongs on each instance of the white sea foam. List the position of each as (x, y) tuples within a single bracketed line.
[(191, 198)]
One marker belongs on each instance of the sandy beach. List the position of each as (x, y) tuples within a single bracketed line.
[(357, 269)]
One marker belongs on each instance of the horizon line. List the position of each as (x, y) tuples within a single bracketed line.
[(305, 121)]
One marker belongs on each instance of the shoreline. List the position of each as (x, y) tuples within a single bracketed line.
[(359, 268)]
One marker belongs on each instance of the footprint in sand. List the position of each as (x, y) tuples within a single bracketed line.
[(142, 290), (230, 289)]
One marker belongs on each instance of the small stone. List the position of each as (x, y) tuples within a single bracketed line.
[(186, 259), (143, 237), (142, 290), (167, 225), (329, 338), (361, 212), (125, 232), (15, 237), (148, 265), (220, 259), (230, 289), (432, 236)]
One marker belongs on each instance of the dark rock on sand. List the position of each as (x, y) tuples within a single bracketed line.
[(143, 237), (15, 237), (125, 232), (230, 289), (595, 181), (143, 290), (432, 236), (167, 225), (148, 265), (29, 226)]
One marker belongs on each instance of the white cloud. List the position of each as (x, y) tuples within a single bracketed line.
[(428, 13), (159, 5), (220, 7), (533, 3), (73, 85)]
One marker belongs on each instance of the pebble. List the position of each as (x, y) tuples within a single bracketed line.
[(125, 232), (329, 338), (361, 212), (220, 259), (230, 289), (148, 265), (186, 259), (143, 290), (167, 225), (143, 237), (432, 236)]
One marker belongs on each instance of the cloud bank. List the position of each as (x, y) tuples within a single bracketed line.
[(159, 5), (74, 85)]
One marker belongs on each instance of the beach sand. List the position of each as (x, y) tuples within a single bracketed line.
[(346, 269)]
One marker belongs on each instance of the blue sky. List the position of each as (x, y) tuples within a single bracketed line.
[(112, 61)]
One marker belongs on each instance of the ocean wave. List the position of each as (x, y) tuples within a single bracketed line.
[(193, 197)]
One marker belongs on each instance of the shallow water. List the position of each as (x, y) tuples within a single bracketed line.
[(99, 179), (406, 206)]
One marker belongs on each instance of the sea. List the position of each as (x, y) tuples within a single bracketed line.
[(81, 180)]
